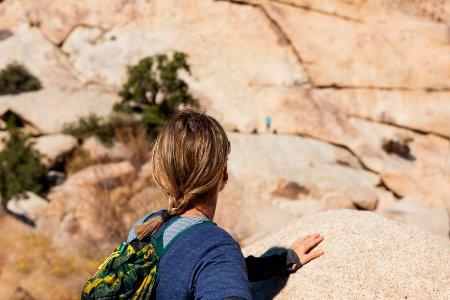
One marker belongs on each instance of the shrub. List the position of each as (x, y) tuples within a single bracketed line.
[(102, 127), (15, 79), (20, 168), (117, 127), (92, 125), (154, 88)]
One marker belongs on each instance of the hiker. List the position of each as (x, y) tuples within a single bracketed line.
[(268, 123), (197, 258)]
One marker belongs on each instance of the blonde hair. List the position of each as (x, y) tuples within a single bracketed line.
[(188, 160)]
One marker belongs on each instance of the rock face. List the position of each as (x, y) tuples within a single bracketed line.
[(98, 151), (332, 71), (350, 54), (261, 164), (55, 147), (40, 56), (65, 107), (106, 197), (107, 174), (366, 257), (28, 205), (419, 110), (411, 211)]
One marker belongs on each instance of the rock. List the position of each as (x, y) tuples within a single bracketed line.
[(148, 200), (13, 14), (58, 18), (109, 175), (256, 164), (423, 178), (301, 208), (28, 205), (22, 123), (168, 25), (79, 37), (39, 56), (4, 34), (45, 268), (364, 198), (426, 180), (97, 197), (410, 211), (55, 147), (35, 106), (146, 172), (120, 195), (352, 53), (420, 110), (98, 151), (366, 256), (290, 190)]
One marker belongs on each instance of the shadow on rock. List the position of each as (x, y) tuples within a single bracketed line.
[(269, 288)]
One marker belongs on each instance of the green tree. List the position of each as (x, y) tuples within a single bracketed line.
[(15, 79), (154, 88), (20, 168)]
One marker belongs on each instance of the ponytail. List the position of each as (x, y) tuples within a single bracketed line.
[(152, 225)]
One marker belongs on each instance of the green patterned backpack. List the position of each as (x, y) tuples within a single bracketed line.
[(130, 271)]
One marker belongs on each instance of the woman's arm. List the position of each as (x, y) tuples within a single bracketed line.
[(221, 274), (261, 268)]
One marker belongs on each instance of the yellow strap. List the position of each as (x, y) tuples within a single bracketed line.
[(106, 261)]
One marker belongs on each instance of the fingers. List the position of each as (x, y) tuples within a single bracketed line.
[(300, 241), (310, 256), (312, 241), (303, 247)]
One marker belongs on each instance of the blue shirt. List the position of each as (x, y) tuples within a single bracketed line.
[(205, 262)]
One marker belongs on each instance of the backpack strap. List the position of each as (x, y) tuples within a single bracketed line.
[(158, 242)]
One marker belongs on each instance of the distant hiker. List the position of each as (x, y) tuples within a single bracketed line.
[(268, 123), (192, 257)]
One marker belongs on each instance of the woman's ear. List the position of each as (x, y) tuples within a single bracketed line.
[(225, 174), (224, 180)]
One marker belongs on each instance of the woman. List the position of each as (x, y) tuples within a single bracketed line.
[(190, 165)]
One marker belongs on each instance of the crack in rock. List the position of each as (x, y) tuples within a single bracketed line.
[(305, 7), (381, 88), (399, 126), (279, 31)]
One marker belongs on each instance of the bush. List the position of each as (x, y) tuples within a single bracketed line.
[(133, 136), (15, 79), (102, 127), (91, 125), (20, 168), (154, 89)]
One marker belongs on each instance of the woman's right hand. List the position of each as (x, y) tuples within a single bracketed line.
[(303, 248)]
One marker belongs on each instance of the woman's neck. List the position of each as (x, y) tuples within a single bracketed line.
[(203, 208)]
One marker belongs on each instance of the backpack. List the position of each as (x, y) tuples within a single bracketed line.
[(131, 270)]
